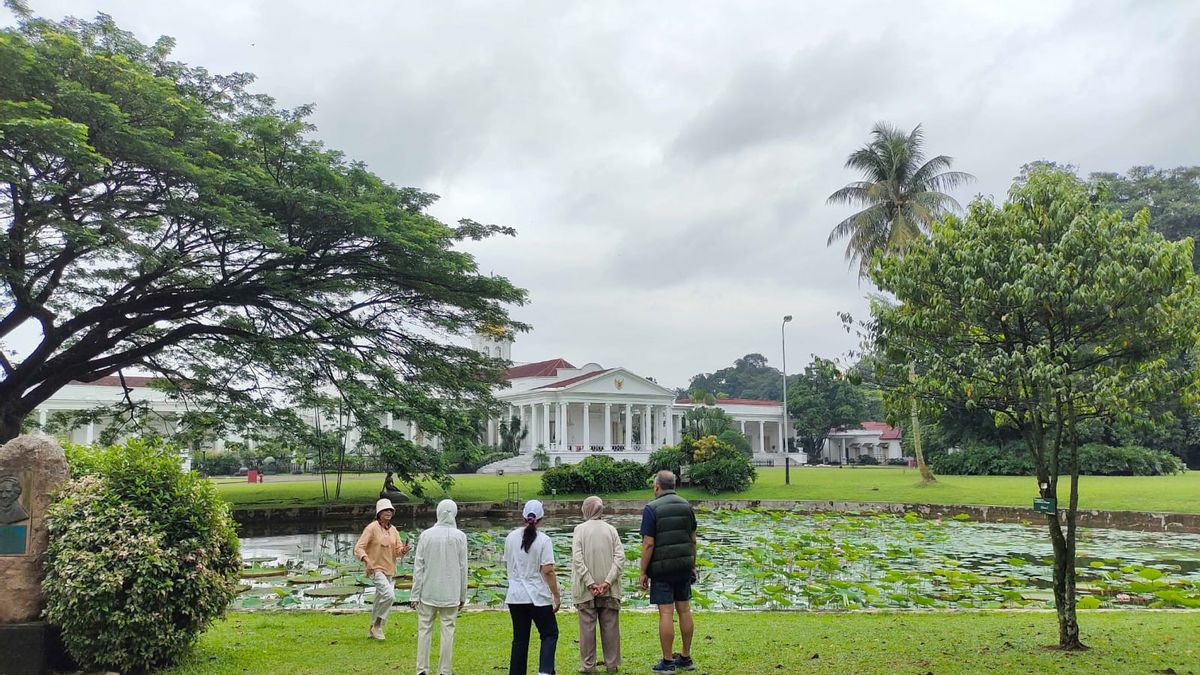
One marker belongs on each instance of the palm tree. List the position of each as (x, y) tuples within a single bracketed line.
[(901, 195), (511, 435)]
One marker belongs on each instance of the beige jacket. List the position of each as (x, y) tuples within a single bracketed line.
[(596, 555), (379, 548)]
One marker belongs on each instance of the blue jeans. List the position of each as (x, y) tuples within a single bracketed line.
[(542, 616)]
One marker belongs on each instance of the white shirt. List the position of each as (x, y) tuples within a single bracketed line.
[(525, 582), (440, 567)]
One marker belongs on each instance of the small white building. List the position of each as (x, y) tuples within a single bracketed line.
[(875, 439)]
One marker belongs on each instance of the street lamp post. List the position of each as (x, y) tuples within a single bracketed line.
[(783, 431)]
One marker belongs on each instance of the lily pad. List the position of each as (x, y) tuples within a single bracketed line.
[(332, 591)]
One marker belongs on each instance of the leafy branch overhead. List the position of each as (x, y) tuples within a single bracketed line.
[(159, 217)]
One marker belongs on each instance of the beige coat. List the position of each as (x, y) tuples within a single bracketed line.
[(378, 548), (596, 555)]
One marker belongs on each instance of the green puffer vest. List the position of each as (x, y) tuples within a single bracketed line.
[(674, 555)]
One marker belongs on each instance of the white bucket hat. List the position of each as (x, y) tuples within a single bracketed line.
[(533, 508), (384, 505)]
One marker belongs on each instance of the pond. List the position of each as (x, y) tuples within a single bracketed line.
[(778, 560)]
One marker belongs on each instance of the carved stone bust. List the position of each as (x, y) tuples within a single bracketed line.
[(11, 511)]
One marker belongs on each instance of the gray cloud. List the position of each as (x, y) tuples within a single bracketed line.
[(667, 164)]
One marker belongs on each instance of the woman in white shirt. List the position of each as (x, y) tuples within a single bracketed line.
[(533, 595)]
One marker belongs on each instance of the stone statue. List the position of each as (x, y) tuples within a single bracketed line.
[(11, 511), (390, 491)]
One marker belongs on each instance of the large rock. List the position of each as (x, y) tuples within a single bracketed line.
[(31, 469)]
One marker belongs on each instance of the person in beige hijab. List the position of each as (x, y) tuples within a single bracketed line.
[(597, 557)]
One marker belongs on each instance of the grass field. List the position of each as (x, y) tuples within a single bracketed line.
[(743, 643), (1180, 493)]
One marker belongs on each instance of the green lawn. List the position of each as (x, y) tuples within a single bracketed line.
[(1179, 493), (749, 643)]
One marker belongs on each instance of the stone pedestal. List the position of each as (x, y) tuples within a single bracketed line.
[(32, 468)]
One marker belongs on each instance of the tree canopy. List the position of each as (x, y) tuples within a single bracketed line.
[(822, 398), (1046, 312), (748, 377), (901, 194), (162, 218)]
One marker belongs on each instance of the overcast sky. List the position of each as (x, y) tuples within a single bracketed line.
[(666, 164)]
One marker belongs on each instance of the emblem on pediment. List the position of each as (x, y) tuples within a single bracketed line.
[(618, 382)]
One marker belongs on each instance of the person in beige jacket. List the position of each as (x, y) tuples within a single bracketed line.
[(597, 557), (378, 547)]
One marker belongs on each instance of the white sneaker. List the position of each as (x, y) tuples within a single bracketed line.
[(375, 633)]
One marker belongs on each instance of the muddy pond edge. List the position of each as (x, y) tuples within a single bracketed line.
[(257, 518)]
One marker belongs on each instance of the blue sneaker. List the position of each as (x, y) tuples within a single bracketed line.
[(664, 666), (684, 662)]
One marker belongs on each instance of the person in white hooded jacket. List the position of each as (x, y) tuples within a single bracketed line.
[(439, 586)]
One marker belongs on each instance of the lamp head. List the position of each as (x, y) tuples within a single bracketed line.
[(787, 318)]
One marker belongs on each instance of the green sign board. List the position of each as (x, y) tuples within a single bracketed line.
[(1049, 506)]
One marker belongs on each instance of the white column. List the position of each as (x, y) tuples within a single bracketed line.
[(645, 427), (782, 440), (743, 423), (762, 436), (534, 429), (608, 427), (587, 428), (42, 418), (628, 427), (671, 425), (562, 426), (546, 425), (91, 432)]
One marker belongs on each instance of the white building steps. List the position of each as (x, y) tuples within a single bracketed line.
[(519, 464)]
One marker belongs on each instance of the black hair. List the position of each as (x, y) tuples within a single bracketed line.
[(530, 533)]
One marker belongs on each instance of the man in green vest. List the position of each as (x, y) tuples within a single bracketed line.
[(669, 568)]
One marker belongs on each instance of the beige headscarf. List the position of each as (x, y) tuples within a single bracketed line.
[(593, 508)]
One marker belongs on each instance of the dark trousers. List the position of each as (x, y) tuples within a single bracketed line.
[(522, 617)]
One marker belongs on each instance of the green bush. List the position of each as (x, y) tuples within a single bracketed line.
[(727, 470), (668, 457), (1130, 460), (142, 557), (560, 480), (897, 461), (1094, 460), (866, 460), (597, 474), (738, 441), (214, 463)]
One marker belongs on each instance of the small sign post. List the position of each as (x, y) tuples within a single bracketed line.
[(1047, 506)]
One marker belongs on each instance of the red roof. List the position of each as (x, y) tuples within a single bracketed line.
[(734, 401), (115, 381), (890, 433), (573, 380), (538, 369)]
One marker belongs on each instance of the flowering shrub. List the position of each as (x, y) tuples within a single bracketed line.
[(142, 557)]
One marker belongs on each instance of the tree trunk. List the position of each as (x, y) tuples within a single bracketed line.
[(10, 423), (926, 474), (1064, 585)]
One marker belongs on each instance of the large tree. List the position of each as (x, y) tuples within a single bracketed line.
[(821, 399), (160, 218), (901, 195), (1047, 312), (748, 377)]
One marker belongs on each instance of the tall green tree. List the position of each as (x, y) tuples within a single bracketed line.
[(901, 194), (1047, 312), (748, 377), (155, 216), (820, 399)]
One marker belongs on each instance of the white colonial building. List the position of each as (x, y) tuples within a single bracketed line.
[(162, 412), (571, 412)]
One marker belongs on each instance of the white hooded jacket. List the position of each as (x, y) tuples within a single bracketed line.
[(440, 567)]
